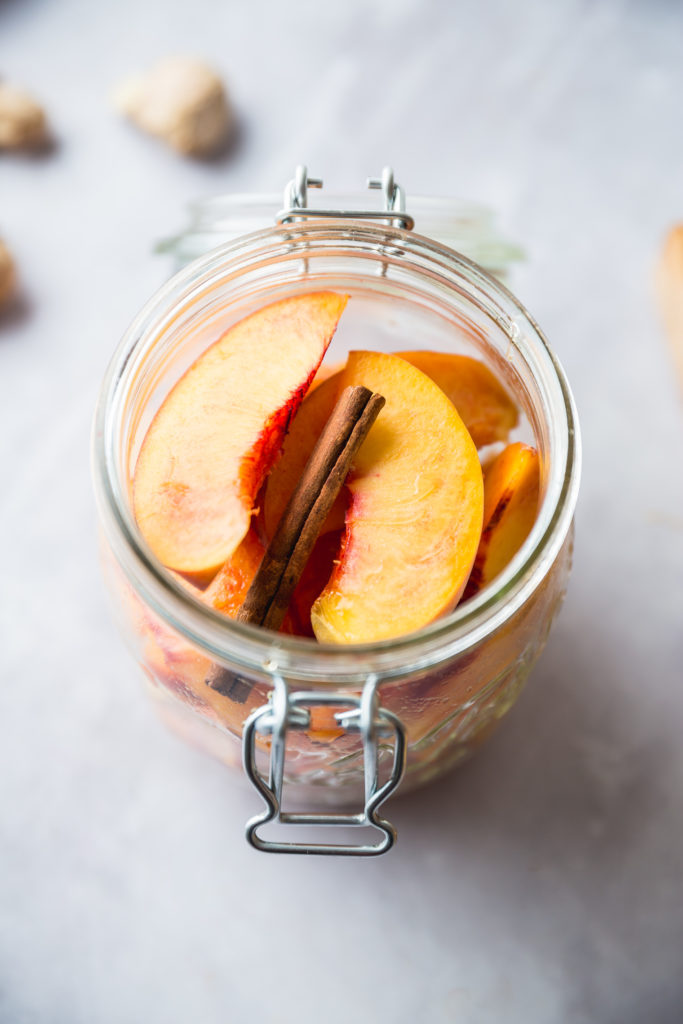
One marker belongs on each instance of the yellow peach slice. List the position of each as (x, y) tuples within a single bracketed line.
[(483, 403), (414, 521), (228, 588), (219, 430), (511, 491)]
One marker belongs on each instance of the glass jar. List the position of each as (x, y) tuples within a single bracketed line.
[(336, 724)]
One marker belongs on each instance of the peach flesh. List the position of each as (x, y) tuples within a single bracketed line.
[(486, 408), (511, 495), (415, 516), (219, 430)]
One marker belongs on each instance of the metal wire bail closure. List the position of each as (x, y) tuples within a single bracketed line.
[(292, 711), (296, 206), (287, 710)]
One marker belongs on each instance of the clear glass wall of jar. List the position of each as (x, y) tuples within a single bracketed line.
[(451, 682)]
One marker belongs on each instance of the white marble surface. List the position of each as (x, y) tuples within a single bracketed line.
[(544, 882)]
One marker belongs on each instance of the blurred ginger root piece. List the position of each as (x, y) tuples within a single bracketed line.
[(182, 101), (7, 274), (670, 292), (23, 124)]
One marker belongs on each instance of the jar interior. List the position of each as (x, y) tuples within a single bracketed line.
[(406, 293)]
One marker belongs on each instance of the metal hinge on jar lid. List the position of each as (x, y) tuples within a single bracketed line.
[(289, 711), (296, 206)]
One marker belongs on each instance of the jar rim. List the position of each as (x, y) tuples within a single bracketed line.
[(463, 224), (300, 658)]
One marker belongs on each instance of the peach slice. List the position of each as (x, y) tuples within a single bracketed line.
[(483, 403), (511, 491), (414, 521), (219, 430), (228, 588)]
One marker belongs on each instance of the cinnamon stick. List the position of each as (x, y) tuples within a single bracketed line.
[(321, 481)]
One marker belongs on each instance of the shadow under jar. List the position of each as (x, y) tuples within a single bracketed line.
[(429, 698)]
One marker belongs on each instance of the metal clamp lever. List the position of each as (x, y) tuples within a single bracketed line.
[(296, 206), (291, 711)]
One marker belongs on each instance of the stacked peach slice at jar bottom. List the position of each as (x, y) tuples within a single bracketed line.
[(417, 524)]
